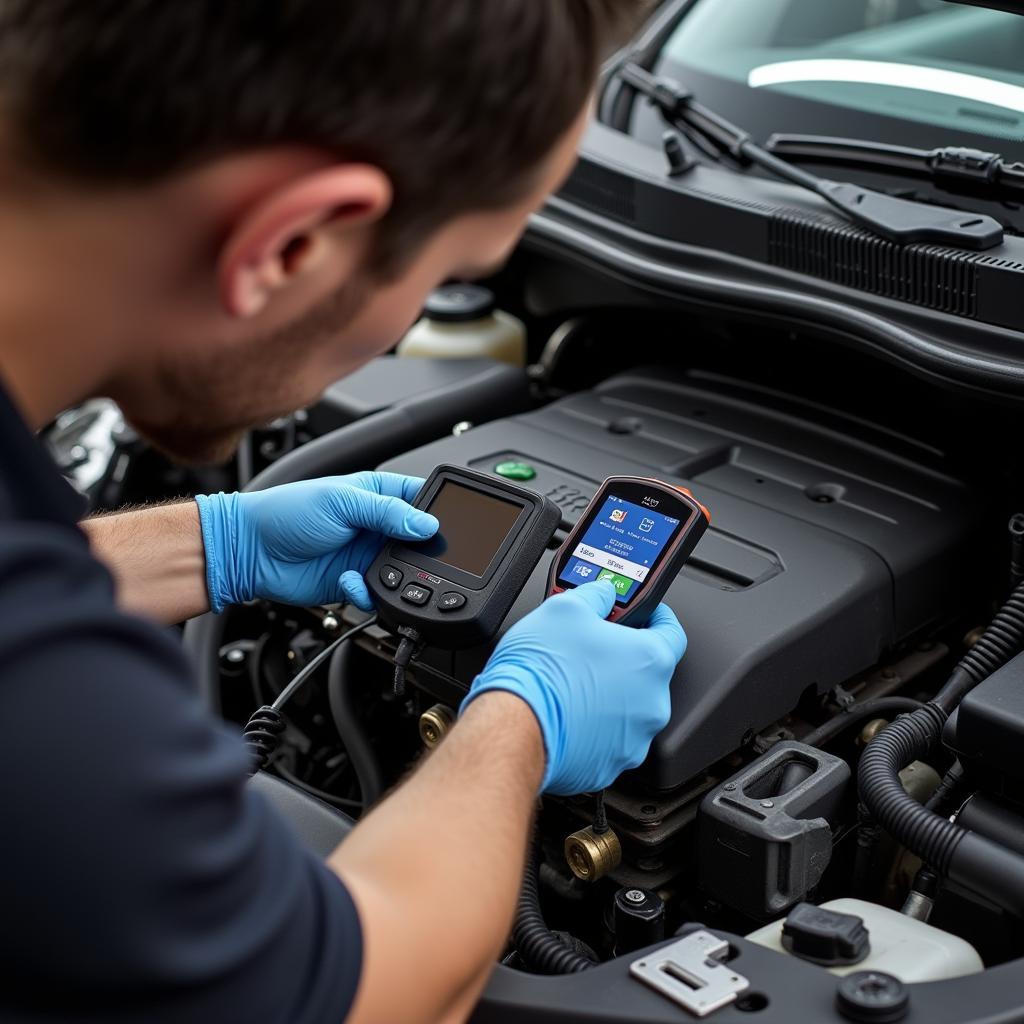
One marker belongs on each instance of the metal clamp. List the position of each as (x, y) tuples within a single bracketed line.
[(692, 973)]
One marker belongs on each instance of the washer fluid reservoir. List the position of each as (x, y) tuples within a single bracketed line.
[(460, 321), (896, 944)]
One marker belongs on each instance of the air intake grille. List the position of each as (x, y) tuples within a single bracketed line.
[(602, 190), (924, 275)]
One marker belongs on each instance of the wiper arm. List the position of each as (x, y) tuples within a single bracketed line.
[(899, 220), (954, 168)]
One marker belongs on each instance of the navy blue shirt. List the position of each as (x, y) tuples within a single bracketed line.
[(140, 878)]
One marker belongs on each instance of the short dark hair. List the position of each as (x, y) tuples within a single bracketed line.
[(457, 100)]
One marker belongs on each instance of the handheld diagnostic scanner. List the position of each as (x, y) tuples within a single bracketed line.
[(455, 589), (637, 533)]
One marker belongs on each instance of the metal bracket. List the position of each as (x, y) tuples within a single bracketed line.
[(692, 973)]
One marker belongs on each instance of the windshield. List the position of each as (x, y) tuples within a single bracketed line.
[(945, 68)]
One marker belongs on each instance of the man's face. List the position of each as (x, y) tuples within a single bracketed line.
[(218, 392)]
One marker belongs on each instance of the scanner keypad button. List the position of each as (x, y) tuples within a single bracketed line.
[(416, 594), (390, 577), (451, 601)]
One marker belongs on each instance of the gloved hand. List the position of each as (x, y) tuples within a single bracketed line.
[(306, 543), (599, 690)]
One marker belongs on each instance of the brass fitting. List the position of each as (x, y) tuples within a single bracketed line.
[(435, 723), (591, 855), (871, 730), (974, 636)]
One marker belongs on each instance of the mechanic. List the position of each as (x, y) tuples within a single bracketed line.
[(209, 213)]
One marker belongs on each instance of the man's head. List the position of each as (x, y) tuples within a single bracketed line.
[(271, 187)]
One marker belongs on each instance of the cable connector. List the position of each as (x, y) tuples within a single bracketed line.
[(409, 649)]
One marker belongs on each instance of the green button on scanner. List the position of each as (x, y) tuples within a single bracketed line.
[(515, 470)]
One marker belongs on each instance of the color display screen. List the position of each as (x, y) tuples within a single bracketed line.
[(623, 544)]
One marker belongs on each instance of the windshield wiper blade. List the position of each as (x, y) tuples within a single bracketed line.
[(954, 168), (899, 220)]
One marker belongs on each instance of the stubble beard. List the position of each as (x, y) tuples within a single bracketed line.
[(218, 399)]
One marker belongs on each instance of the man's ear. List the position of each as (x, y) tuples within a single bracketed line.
[(286, 232)]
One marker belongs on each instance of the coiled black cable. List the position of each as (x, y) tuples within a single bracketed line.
[(969, 859), (265, 727), (263, 734), (539, 948)]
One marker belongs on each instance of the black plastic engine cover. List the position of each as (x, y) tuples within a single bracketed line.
[(830, 541), (987, 730)]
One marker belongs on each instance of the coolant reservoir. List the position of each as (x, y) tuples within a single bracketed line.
[(903, 946), (460, 322)]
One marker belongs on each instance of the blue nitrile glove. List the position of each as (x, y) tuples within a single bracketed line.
[(306, 543), (599, 690)]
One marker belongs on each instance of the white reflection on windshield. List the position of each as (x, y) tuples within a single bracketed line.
[(902, 76)]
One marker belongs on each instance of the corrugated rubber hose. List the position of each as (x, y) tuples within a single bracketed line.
[(976, 863), (539, 948)]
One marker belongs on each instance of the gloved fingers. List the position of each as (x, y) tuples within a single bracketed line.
[(394, 485), (640, 755), (406, 486), (384, 514), (598, 596), (663, 623), (353, 588)]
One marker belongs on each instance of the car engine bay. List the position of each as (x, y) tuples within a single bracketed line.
[(831, 825), (849, 565)]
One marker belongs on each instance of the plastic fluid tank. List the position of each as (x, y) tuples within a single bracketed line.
[(899, 945), (460, 321)]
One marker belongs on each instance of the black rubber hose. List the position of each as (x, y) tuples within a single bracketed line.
[(868, 835), (341, 695), (944, 798), (909, 738), (1000, 642), (971, 860), (857, 713), (537, 946)]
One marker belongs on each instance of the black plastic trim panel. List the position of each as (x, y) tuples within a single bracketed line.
[(737, 241), (612, 254)]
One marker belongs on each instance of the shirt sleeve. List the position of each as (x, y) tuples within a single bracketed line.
[(142, 879)]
